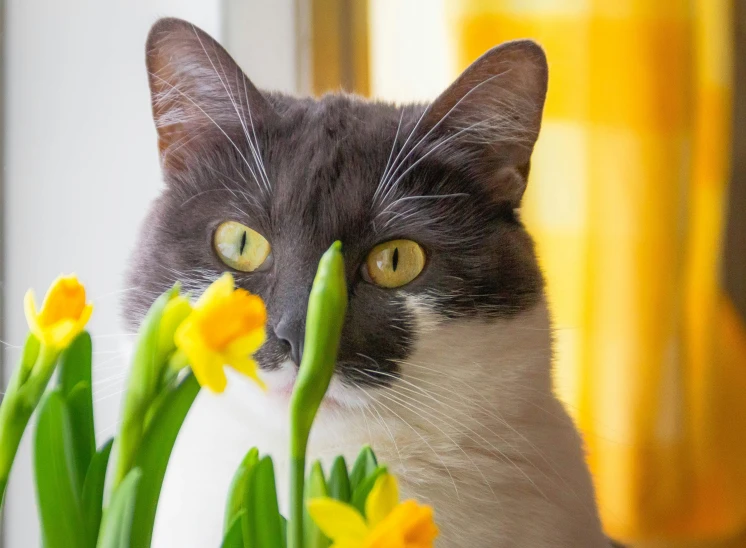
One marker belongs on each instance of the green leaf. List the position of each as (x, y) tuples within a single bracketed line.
[(315, 487), (360, 494), (236, 493), (339, 481), (153, 454), (117, 525), (75, 383), (79, 401), (234, 533), (365, 464), (58, 495), (262, 527), (284, 528), (93, 490), (159, 399)]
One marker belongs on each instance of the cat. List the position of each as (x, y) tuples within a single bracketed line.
[(445, 364)]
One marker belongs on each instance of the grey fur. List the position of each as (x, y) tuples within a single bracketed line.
[(305, 172)]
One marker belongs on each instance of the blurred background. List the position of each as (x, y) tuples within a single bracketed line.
[(637, 200)]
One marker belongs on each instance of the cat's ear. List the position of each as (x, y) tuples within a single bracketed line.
[(491, 116), (198, 92)]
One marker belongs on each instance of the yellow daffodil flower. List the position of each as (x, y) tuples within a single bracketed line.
[(63, 315), (389, 524), (225, 327)]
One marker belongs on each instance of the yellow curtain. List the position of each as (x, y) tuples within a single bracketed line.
[(625, 201)]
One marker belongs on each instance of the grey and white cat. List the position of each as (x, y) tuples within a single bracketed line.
[(448, 375)]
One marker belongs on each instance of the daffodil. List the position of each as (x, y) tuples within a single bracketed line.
[(225, 328), (387, 522), (63, 315)]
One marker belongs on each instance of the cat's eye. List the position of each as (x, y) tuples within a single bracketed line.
[(395, 263), (240, 247)]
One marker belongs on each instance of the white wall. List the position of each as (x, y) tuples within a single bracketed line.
[(81, 164), (262, 36), (80, 168), (410, 66)]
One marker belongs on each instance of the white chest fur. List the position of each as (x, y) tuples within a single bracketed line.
[(472, 427)]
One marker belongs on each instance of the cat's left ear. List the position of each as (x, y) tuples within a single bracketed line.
[(489, 118), (199, 93)]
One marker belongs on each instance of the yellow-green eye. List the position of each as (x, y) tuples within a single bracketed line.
[(395, 263), (240, 247)]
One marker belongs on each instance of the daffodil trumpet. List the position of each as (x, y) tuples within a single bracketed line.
[(385, 523), (327, 305), (62, 317)]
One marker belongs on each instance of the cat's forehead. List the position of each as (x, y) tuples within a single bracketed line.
[(339, 135), (341, 115), (333, 152)]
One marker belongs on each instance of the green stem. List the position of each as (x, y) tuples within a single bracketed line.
[(25, 390), (327, 305), (144, 382), (295, 524), (14, 417), (154, 453)]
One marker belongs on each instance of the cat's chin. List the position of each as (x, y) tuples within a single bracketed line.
[(280, 381), (340, 396)]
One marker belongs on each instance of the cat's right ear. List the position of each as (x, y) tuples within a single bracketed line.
[(489, 118), (198, 92)]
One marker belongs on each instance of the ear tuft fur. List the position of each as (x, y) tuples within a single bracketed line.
[(492, 114), (197, 90)]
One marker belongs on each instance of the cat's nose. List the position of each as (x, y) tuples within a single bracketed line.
[(292, 332)]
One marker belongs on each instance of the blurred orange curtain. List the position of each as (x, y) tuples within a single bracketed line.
[(626, 201)]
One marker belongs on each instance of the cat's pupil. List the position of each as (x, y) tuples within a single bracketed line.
[(243, 243), (395, 260)]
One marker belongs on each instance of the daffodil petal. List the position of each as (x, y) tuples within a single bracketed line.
[(248, 344), (32, 317), (382, 499), (57, 286), (389, 539), (60, 334), (248, 368), (65, 299), (184, 334), (415, 521), (220, 288), (348, 544), (424, 528), (210, 373), (85, 315), (338, 521), (206, 364)]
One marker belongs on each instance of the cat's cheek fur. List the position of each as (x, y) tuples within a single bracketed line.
[(472, 427), (494, 448)]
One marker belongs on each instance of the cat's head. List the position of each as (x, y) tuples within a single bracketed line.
[(423, 198)]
